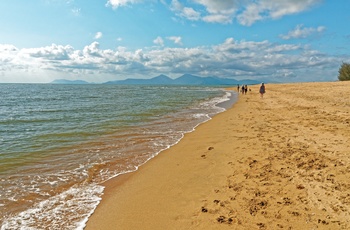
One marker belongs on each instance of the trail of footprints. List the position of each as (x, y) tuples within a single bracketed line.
[(299, 181), (298, 174)]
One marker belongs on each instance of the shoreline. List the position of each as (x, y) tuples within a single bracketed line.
[(264, 163)]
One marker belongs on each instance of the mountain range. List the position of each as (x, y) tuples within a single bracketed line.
[(186, 79), (69, 82)]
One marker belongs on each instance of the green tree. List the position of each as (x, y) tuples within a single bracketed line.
[(344, 72)]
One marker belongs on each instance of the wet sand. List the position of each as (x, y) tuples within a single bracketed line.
[(281, 162)]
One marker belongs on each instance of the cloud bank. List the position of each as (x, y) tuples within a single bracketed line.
[(230, 59)]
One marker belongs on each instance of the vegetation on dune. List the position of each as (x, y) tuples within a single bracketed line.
[(344, 72)]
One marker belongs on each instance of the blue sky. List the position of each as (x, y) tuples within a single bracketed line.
[(102, 40)]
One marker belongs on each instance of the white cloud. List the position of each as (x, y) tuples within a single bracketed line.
[(92, 50), (217, 18), (232, 58), (159, 41), (301, 32), (221, 7), (250, 15), (53, 52), (176, 5), (272, 9), (176, 40), (118, 3), (184, 12), (280, 8), (7, 48), (8, 53), (219, 11), (98, 35), (190, 14)]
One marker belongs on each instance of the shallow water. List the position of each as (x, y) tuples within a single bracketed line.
[(59, 142)]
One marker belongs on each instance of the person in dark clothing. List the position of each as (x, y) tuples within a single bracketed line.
[(262, 90)]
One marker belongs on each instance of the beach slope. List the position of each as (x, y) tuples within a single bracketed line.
[(281, 162)]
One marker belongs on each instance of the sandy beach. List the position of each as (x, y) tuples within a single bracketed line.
[(281, 162)]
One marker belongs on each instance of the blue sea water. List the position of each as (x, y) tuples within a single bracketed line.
[(60, 142)]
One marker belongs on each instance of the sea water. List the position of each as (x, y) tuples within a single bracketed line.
[(58, 143)]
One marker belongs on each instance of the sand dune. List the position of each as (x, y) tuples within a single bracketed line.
[(281, 162)]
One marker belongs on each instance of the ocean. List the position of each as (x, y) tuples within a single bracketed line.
[(58, 143)]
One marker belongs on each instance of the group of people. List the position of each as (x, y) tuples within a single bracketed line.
[(244, 89)]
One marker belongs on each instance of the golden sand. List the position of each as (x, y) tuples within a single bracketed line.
[(281, 162)]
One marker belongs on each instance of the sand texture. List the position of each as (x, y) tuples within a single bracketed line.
[(281, 162)]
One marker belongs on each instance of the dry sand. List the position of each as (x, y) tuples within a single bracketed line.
[(281, 162)]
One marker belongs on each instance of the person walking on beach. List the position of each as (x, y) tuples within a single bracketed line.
[(243, 89), (262, 90)]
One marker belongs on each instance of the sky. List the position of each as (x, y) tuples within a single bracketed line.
[(104, 40)]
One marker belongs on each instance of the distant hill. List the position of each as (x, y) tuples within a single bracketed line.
[(70, 82), (159, 80), (186, 79)]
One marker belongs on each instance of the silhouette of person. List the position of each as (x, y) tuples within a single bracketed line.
[(262, 90)]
